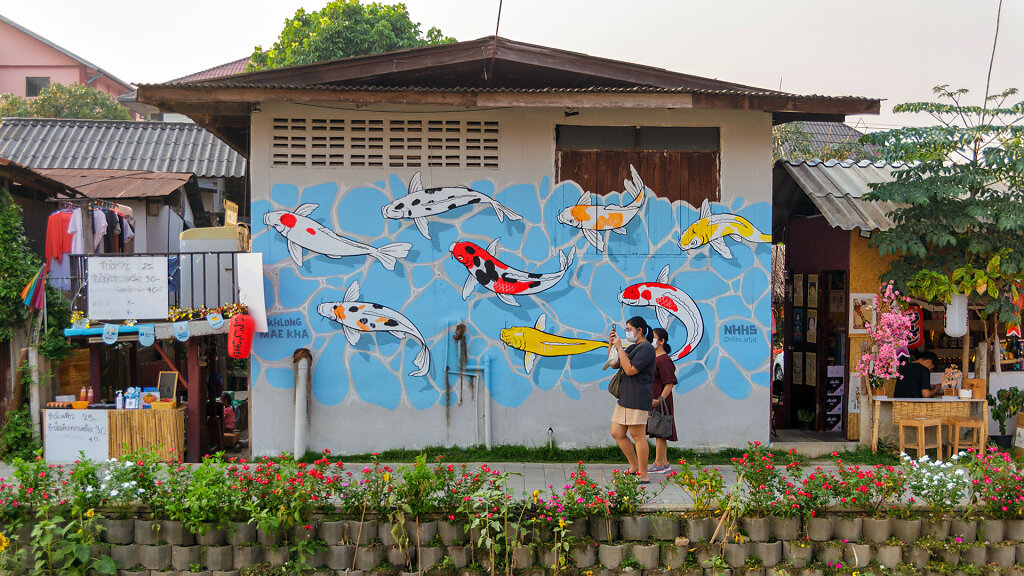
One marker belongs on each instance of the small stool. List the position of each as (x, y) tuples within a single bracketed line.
[(921, 425), (956, 425), (230, 439)]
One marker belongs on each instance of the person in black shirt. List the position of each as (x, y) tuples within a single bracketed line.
[(636, 393), (915, 378)]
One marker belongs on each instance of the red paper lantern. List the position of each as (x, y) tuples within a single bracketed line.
[(916, 339), (240, 334)]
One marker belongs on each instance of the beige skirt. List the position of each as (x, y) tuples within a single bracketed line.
[(629, 416)]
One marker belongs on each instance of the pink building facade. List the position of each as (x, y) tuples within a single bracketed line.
[(29, 62)]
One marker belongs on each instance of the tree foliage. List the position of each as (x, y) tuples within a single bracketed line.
[(18, 264), (959, 226), (343, 28), (64, 101)]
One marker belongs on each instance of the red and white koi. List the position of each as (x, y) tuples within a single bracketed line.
[(358, 318), (303, 232), (594, 219), (486, 270), (668, 301)]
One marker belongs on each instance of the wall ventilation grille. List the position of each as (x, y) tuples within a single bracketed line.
[(384, 143)]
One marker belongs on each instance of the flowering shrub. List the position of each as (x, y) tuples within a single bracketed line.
[(131, 481), (886, 337), (941, 485), (705, 486), (280, 493), (816, 492), (581, 497), (995, 484), (626, 495), (876, 489), (766, 489)]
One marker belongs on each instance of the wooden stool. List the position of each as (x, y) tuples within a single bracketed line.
[(921, 425), (957, 424)]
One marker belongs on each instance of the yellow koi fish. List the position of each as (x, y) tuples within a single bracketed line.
[(535, 342), (594, 219), (713, 229)]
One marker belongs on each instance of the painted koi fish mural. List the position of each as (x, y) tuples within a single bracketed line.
[(668, 301), (422, 203), (507, 282), (713, 229), (302, 232), (595, 219), (358, 318), (536, 342)]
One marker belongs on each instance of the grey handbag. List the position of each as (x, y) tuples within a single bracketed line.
[(613, 384), (659, 422)]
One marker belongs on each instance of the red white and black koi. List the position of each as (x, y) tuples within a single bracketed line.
[(422, 203), (486, 270), (668, 300), (357, 318), (303, 232)]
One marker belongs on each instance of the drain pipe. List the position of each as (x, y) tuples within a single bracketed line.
[(484, 370), (302, 359)]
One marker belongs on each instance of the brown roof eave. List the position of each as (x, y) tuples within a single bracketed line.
[(239, 100)]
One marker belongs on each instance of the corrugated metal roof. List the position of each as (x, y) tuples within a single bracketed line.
[(837, 190), (28, 177), (112, 184), (233, 84), (228, 69), (118, 145), (819, 135)]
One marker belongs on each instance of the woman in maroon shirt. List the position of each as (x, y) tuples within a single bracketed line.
[(664, 381)]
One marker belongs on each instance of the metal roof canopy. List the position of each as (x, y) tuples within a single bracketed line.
[(25, 176), (835, 189), (114, 184), (118, 145), (487, 72)]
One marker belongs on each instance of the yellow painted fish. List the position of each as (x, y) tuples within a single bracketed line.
[(594, 219), (713, 229), (535, 342)]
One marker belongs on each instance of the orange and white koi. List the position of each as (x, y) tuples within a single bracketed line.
[(595, 219), (357, 318)]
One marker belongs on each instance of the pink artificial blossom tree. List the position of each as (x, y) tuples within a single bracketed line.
[(886, 337)]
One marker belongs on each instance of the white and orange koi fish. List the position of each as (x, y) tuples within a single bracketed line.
[(594, 219), (713, 229), (357, 318), (301, 231)]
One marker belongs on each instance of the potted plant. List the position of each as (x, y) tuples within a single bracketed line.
[(1006, 403), (885, 338), (805, 418)]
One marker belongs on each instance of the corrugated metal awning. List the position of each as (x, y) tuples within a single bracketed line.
[(837, 190), (112, 184)]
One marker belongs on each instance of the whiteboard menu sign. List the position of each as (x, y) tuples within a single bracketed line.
[(129, 287), (68, 432)]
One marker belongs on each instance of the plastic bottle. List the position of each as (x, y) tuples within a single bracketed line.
[(119, 401), (88, 395), (82, 394)]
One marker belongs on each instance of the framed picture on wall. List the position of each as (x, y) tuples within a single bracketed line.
[(862, 312), (798, 289), (812, 325), (811, 371), (798, 367), (812, 290), (798, 324)]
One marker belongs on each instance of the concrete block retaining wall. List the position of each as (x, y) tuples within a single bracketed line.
[(655, 545)]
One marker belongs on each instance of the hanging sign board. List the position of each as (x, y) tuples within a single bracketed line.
[(68, 432), (129, 287)]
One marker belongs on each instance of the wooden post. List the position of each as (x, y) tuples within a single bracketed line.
[(95, 370), (196, 413)]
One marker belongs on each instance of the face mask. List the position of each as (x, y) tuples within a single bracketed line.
[(629, 337), (656, 343)]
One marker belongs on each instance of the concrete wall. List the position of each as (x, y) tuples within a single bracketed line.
[(363, 397)]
